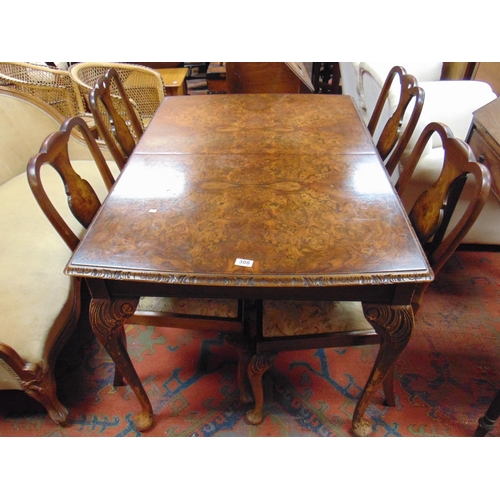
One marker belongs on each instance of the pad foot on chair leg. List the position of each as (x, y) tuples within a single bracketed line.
[(253, 417), (41, 386), (362, 428), (143, 421)]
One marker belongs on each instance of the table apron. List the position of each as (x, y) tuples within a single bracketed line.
[(394, 293)]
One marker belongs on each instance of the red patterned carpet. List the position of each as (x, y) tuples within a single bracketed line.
[(445, 379)]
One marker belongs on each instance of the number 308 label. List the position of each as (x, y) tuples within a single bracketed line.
[(243, 262)]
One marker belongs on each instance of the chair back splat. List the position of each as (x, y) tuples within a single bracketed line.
[(82, 199), (392, 140), (115, 116)]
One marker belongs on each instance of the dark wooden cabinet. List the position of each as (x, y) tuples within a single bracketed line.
[(484, 139), (267, 78)]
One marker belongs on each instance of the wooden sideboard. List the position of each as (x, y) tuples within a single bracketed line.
[(484, 139)]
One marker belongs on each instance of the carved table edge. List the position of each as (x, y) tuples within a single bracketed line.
[(247, 280)]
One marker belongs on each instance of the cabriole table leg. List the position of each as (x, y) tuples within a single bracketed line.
[(107, 318), (259, 364), (394, 324)]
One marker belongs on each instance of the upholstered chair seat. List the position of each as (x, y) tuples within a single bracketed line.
[(283, 318), (221, 308)]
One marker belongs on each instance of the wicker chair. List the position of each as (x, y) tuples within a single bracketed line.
[(53, 86), (143, 85)]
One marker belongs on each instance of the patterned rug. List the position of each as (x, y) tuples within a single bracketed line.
[(445, 379)]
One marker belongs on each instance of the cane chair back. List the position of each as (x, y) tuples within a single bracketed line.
[(218, 315), (53, 86), (292, 324), (393, 140), (143, 85), (116, 120)]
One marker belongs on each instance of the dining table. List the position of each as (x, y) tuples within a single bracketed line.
[(253, 196)]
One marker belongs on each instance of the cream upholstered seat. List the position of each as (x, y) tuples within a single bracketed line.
[(296, 324), (40, 305), (143, 85)]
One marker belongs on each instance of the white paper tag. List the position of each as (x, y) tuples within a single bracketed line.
[(243, 262)]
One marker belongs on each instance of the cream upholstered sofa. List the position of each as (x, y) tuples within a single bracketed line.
[(448, 101), (39, 305)]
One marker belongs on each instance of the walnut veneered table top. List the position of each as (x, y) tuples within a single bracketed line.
[(291, 182)]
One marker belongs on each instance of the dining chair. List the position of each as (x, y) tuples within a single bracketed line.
[(217, 315), (51, 85), (285, 325), (115, 117), (398, 129), (144, 85)]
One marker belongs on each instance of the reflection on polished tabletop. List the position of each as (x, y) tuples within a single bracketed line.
[(292, 183)]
